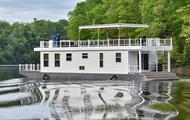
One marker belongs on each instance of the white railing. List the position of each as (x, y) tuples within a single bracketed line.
[(164, 67), (133, 69), (107, 43), (29, 67)]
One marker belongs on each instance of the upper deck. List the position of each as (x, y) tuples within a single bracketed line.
[(144, 44)]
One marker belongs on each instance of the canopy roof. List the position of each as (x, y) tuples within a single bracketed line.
[(110, 26)]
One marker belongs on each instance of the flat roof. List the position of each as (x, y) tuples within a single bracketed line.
[(110, 26)]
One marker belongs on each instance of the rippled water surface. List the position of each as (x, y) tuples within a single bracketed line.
[(82, 100)]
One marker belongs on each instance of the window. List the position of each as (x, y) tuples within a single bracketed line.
[(118, 57), (46, 60), (57, 60), (81, 68), (101, 60), (68, 57), (84, 55)]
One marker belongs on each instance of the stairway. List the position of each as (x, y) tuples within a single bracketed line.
[(160, 76)]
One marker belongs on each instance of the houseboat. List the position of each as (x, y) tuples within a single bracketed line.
[(123, 59)]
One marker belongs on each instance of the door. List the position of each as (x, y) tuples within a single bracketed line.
[(144, 60)]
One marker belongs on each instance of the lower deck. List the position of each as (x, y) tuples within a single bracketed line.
[(85, 76)]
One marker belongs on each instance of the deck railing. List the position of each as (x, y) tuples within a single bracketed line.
[(107, 43), (29, 67), (133, 69)]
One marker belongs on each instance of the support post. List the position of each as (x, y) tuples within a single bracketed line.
[(26, 67), (169, 64), (119, 37), (79, 34), (88, 43), (98, 37), (171, 42), (129, 41), (69, 43), (140, 62), (156, 62), (19, 67), (38, 66)]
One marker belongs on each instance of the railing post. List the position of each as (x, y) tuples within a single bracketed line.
[(169, 64), (30, 67), (33, 67), (146, 41), (129, 41), (50, 44), (38, 66), (171, 41), (108, 42), (69, 43), (157, 41), (140, 41), (119, 42), (19, 67), (140, 62), (26, 67), (88, 43), (42, 44)]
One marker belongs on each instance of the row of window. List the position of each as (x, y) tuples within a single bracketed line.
[(84, 56)]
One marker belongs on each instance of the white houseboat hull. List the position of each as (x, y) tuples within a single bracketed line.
[(80, 76)]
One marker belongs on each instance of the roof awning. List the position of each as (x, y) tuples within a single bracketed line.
[(111, 26)]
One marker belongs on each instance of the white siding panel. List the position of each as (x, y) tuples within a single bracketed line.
[(91, 63)]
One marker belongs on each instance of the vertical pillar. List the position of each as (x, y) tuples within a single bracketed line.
[(129, 41), (119, 37), (156, 62), (26, 67), (69, 43), (19, 67), (38, 67), (169, 64), (140, 62), (140, 41), (98, 37)]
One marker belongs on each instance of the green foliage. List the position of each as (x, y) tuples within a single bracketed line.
[(18, 40), (166, 18)]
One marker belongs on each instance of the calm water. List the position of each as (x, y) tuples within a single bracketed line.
[(81, 100)]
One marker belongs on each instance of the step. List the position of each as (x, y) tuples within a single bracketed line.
[(160, 76)]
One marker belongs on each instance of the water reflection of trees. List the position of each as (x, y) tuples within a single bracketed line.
[(86, 101)]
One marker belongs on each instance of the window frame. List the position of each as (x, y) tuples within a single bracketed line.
[(101, 60), (57, 60), (69, 58), (118, 57), (45, 60), (81, 67), (84, 55)]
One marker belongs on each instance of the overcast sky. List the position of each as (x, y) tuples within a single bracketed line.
[(26, 10)]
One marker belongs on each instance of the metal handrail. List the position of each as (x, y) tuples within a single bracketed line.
[(151, 42), (29, 67)]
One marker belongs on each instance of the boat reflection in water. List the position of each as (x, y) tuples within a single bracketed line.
[(83, 100)]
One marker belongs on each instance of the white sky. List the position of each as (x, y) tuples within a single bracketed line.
[(26, 10)]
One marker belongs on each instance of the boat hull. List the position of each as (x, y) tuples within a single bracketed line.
[(80, 76)]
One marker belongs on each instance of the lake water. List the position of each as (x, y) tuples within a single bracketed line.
[(24, 99)]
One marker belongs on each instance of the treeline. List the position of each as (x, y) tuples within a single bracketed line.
[(167, 18), (17, 41)]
